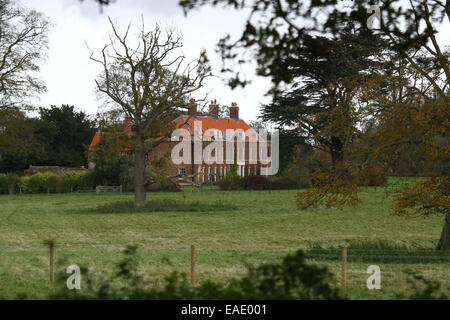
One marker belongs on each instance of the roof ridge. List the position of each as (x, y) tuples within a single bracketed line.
[(210, 117)]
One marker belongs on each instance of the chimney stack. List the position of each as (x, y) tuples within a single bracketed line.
[(214, 109), (234, 111), (192, 107), (127, 125)]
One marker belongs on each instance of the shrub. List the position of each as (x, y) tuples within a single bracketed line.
[(78, 181), (255, 182), (164, 205), (421, 288), (23, 184), (233, 173), (231, 183), (295, 177), (58, 184), (8, 182), (51, 182), (280, 183), (276, 183), (371, 177), (157, 181), (87, 180), (43, 182), (168, 185), (292, 278), (163, 185), (70, 180), (126, 179), (38, 183), (317, 161), (3, 183)]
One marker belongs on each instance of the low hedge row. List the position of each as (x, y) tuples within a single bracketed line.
[(297, 178), (46, 182), (256, 182), (8, 182)]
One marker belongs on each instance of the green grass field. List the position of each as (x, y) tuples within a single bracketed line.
[(264, 227)]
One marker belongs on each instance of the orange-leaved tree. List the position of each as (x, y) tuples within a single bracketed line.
[(416, 112)]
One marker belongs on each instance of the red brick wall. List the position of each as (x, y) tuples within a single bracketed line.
[(172, 169)]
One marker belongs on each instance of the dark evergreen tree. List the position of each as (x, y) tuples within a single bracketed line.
[(65, 134), (327, 76)]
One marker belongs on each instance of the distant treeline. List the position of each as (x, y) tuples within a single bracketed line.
[(58, 136)]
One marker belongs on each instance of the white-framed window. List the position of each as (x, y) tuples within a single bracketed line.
[(182, 172)]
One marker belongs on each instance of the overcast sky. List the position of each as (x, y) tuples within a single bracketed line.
[(69, 73)]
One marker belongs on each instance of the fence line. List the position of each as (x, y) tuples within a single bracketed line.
[(346, 255), (313, 254), (143, 246), (259, 248)]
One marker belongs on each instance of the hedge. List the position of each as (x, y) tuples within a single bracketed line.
[(41, 182), (78, 181), (8, 182), (46, 182)]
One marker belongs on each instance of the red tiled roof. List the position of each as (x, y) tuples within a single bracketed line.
[(95, 141), (214, 123), (207, 122)]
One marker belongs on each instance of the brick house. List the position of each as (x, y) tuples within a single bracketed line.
[(211, 128)]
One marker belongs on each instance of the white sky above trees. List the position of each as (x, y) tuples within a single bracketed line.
[(69, 73)]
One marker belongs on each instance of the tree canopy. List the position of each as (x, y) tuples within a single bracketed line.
[(328, 74), (65, 134), (23, 45), (150, 82), (407, 103)]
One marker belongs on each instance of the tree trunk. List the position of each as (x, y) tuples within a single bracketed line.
[(444, 242), (139, 173), (337, 155)]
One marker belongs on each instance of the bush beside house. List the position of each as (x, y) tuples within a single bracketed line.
[(299, 176)]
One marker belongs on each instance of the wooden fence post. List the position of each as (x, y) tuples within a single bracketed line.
[(52, 259), (444, 241), (344, 269), (192, 264)]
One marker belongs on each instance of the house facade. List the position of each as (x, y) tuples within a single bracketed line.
[(209, 146)]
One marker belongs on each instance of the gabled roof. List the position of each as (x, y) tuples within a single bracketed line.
[(207, 122), (95, 141), (212, 123)]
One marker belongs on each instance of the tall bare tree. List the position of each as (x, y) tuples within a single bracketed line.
[(149, 80), (23, 44)]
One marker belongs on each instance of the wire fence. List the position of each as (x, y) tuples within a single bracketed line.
[(410, 255), (230, 260)]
